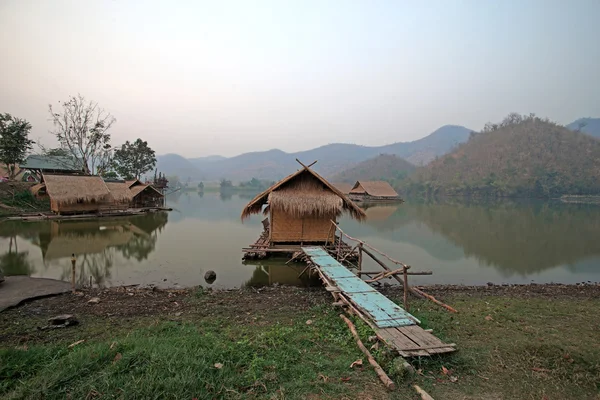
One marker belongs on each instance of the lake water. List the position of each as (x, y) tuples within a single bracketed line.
[(462, 243)]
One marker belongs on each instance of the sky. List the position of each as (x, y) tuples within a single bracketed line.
[(224, 77)]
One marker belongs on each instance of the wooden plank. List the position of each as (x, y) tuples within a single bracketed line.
[(384, 312), (425, 339), (399, 342)]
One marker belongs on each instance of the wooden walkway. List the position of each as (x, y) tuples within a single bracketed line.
[(392, 324)]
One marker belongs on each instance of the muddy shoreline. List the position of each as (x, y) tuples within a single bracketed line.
[(142, 301)]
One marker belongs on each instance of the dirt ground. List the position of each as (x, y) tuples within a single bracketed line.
[(244, 304)]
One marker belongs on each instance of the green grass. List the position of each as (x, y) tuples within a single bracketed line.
[(528, 348), (174, 359), (531, 348)]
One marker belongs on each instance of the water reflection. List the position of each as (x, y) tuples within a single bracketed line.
[(461, 242), (514, 237), (270, 271), (95, 243)]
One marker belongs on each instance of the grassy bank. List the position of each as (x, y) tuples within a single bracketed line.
[(16, 199), (290, 343)]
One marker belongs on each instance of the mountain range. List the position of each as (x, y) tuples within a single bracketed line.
[(332, 158), (522, 157)]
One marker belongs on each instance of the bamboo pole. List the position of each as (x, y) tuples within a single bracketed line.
[(389, 384), (436, 301), (404, 270), (73, 260), (424, 394), (359, 258), (369, 246), (378, 261), (339, 247), (408, 273)]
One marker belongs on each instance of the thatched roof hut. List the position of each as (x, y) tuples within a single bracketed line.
[(133, 182), (75, 193), (145, 195), (301, 206), (120, 192), (380, 189)]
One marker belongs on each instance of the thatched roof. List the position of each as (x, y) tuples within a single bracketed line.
[(374, 188), (304, 193), (343, 187), (68, 189), (141, 188), (119, 191), (133, 182), (35, 189)]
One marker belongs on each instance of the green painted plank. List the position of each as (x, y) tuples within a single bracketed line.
[(384, 312), (353, 285)]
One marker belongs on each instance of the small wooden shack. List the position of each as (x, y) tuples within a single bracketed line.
[(146, 196), (76, 193), (301, 208), (373, 191)]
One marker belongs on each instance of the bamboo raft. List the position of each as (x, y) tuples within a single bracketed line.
[(262, 248)]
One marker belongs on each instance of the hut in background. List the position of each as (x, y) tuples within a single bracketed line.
[(121, 195), (146, 196), (301, 207), (76, 193), (343, 187), (373, 191)]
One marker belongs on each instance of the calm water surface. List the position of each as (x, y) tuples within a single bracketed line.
[(462, 243)]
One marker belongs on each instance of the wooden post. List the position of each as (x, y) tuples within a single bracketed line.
[(73, 259), (339, 249), (405, 270), (389, 384), (360, 246)]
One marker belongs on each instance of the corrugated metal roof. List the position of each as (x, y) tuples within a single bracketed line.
[(374, 188), (55, 163)]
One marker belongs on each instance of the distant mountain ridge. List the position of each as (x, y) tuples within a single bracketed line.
[(332, 158), (522, 156), (590, 126), (385, 167)]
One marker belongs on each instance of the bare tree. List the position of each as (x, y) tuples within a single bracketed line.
[(81, 127)]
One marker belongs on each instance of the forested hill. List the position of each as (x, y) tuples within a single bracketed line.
[(385, 167), (522, 156)]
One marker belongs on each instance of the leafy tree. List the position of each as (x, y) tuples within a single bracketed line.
[(110, 175), (81, 127), (14, 141), (225, 184), (57, 152), (201, 186), (133, 160), (174, 181)]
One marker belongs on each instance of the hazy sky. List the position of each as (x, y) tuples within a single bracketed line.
[(227, 77)]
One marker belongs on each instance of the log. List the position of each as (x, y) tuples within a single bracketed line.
[(424, 394), (408, 273), (436, 301), (384, 275), (389, 384)]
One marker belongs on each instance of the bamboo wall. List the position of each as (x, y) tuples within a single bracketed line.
[(287, 228), (73, 207)]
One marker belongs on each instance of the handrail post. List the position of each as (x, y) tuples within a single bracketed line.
[(359, 258), (405, 273)]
